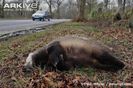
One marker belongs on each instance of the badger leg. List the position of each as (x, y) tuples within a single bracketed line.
[(54, 52), (52, 61), (64, 66), (108, 62), (57, 62)]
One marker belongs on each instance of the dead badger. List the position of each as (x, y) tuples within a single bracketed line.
[(69, 52)]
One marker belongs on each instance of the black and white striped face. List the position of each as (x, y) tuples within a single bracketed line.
[(29, 63)]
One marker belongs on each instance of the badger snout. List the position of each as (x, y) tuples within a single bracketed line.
[(27, 69), (28, 66)]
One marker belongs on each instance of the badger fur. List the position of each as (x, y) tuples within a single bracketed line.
[(70, 52)]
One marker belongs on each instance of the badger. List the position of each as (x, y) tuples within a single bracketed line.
[(70, 52)]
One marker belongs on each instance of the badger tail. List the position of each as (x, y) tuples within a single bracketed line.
[(108, 62)]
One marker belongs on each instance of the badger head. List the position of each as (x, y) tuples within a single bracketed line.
[(36, 59), (29, 63)]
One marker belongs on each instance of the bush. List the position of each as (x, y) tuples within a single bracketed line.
[(95, 14), (117, 17), (130, 23), (128, 14), (77, 19)]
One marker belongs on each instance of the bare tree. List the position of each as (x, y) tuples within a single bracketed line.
[(106, 2), (91, 4), (81, 7), (121, 10), (58, 2), (2, 9), (72, 10), (124, 3), (129, 3), (50, 3), (119, 5), (68, 9)]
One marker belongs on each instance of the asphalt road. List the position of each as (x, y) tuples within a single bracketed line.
[(7, 26)]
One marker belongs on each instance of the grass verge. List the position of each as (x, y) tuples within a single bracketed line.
[(14, 51)]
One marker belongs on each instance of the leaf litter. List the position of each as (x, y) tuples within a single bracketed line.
[(121, 42)]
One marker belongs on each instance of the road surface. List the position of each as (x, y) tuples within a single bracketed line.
[(7, 26)]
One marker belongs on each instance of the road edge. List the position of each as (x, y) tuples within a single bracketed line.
[(6, 36)]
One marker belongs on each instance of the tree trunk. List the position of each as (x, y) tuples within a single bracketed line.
[(59, 2), (38, 4), (50, 10), (2, 12), (81, 15), (89, 4), (119, 13), (119, 5), (106, 2), (58, 11), (124, 3)]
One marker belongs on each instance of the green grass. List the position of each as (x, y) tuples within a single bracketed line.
[(27, 43), (21, 46), (84, 71)]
